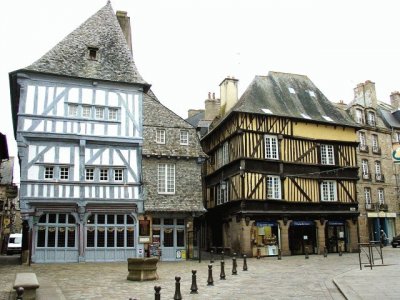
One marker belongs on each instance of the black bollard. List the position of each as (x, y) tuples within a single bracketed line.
[(157, 295), (325, 252), (222, 255), (234, 264), (212, 256), (20, 293), (177, 295), (210, 280), (306, 252), (279, 254), (193, 288), (340, 252), (244, 262), (222, 274), (258, 253)]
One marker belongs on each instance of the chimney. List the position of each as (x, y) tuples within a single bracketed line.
[(395, 100), (229, 94), (125, 23), (212, 107), (365, 94), (192, 112)]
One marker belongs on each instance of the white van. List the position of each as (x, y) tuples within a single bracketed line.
[(14, 243)]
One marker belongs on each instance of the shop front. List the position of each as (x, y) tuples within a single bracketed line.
[(302, 237), (265, 238), (381, 221), (335, 236)]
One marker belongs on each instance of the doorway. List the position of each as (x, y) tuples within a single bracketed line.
[(302, 237)]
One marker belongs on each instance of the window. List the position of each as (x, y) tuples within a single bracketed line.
[(64, 173), (375, 144), (86, 110), (291, 90), (397, 137), (271, 147), (49, 173), (273, 187), (371, 118), (381, 196), (222, 192), (225, 153), (363, 141), (328, 190), (89, 174), (103, 174), (327, 157), (160, 136), (367, 195), (72, 110), (99, 113), (184, 137), (365, 169), (118, 174), (166, 178), (56, 231), (112, 114), (359, 116), (93, 53), (378, 170)]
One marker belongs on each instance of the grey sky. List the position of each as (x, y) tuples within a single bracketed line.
[(186, 48)]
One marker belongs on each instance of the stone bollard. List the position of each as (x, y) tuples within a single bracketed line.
[(212, 256), (177, 295), (20, 293), (244, 262), (258, 253), (234, 264), (222, 274), (193, 288), (222, 255), (306, 252), (279, 254), (210, 280), (340, 252), (325, 252), (157, 295)]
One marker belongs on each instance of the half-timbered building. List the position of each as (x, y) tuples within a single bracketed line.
[(172, 161), (77, 115), (282, 170)]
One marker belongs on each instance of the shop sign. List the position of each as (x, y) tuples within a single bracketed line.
[(303, 223), (396, 154), (267, 223), (180, 254), (335, 223)]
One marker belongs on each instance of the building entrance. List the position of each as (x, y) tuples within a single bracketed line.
[(302, 236), (335, 237)]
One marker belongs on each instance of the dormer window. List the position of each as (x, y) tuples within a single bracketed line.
[(359, 116), (371, 118), (93, 53)]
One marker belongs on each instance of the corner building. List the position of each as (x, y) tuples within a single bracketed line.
[(282, 170), (77, 115)]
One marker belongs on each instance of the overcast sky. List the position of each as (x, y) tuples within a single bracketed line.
[(185, 48)]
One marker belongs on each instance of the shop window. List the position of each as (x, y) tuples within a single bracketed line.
[(54, 231), (180, 237)]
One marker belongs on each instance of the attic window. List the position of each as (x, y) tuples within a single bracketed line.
[(306, 116), (93, 53), (292, 91), (312, 94), (267, 111), (327, 118)]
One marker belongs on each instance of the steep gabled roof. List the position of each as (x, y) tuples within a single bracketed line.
[(290, 95), (70, 57)]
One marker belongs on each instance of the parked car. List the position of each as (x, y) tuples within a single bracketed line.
[(396, 241), (14, 243)]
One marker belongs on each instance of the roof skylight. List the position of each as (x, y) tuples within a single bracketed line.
[(267, 111), (328, 118), (291, 90), (306, 116), (312, 94)]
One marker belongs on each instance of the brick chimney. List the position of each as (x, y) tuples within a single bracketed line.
[(212, 107), (229, 94), (125, 23), (395, 100), (365, 94)]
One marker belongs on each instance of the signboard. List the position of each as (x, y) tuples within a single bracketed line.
[(267, 223), (335, 222), (145, 239), (303, 223), (396, 154), (180, 254)]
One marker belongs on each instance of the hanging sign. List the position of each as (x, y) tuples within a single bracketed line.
[(396, 154)]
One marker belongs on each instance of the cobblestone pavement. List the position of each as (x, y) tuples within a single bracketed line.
[(293, 277)]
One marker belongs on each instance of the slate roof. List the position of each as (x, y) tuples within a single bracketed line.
[(70, 57), (195, 119), (307, 102), (387, 116)]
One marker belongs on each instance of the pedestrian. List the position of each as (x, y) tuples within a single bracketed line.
[(383, 238)]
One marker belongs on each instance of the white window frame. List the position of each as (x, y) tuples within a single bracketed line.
[(103, 176), (184, 137), (49, 172), (378, 168), (113, 114), (274, 190), (160, 136), (367, 196), (271, 146), (363, 139), (359, 116), (222, 193), (72, 110), (381, 196), (397, 137), (99, 113), (328, 191), (327, 154), (371, 118), (118, 174), (89, 174), (166, 178), (364, 167), (64, 173), (86, 111)]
